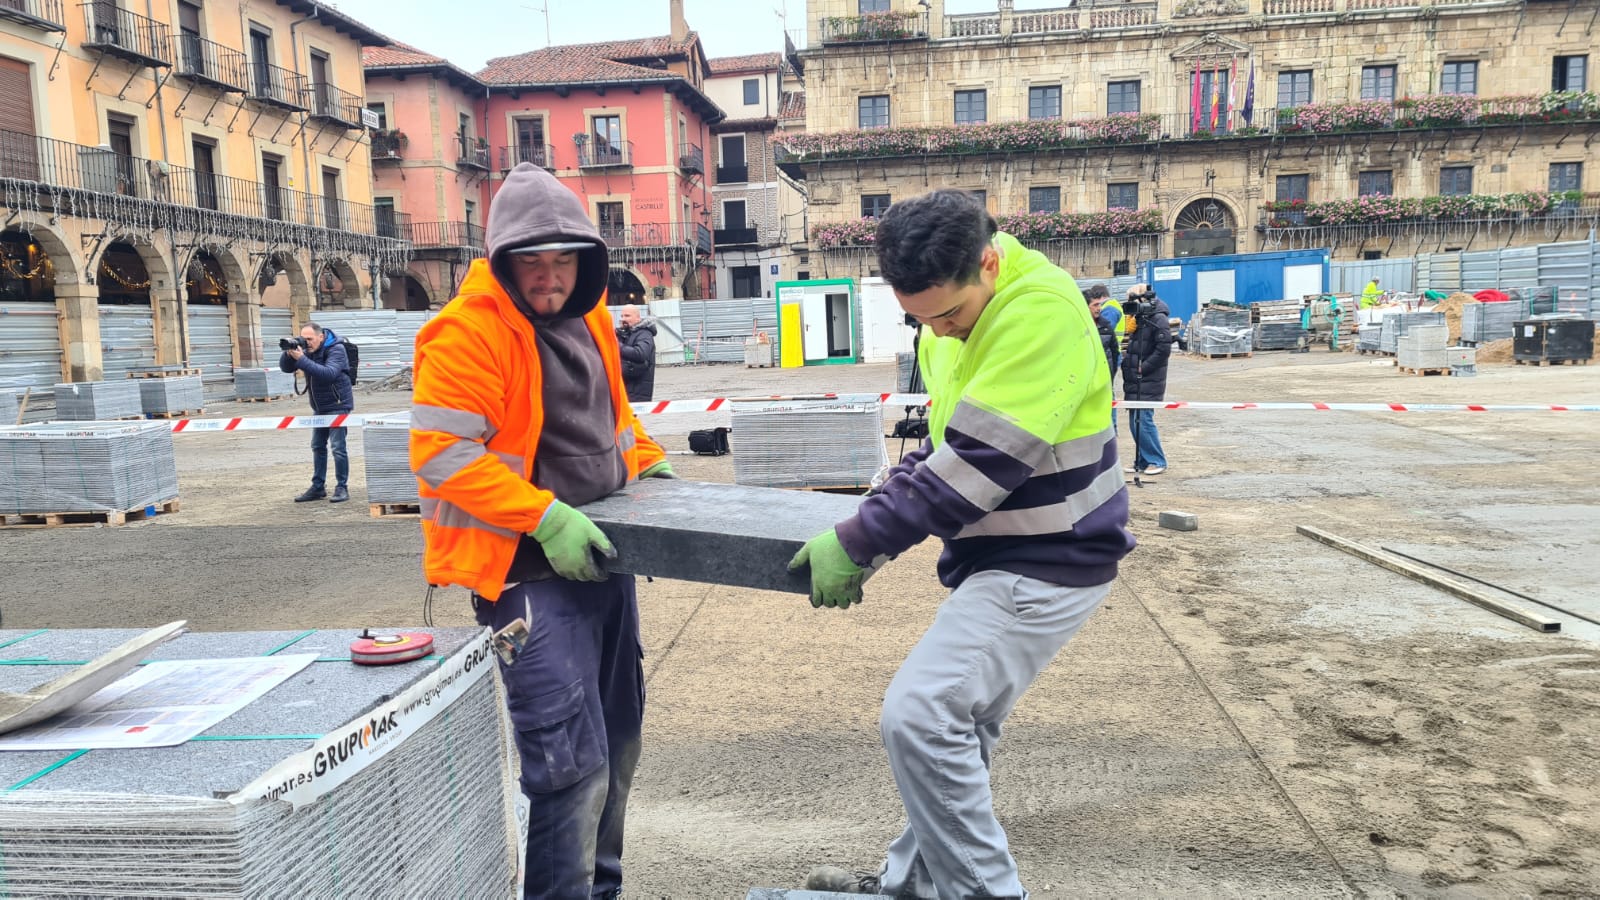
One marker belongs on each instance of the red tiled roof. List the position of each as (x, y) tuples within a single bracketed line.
[(398, 54), (753, 62), (793, 105), (603, 61)]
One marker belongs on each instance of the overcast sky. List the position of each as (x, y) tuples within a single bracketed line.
[(470, 32)]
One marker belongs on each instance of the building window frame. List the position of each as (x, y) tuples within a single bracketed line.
[(872, 111), (1375, 183), (1044, 199), (1455, 181), (747, 277), (1566, 176), (1295, 88), (1570, 72), (1124, 96), (875, 205), (1380, 81), (743, 206), (1122, 195), (971, 106), (1459, 77), (1044, 102)]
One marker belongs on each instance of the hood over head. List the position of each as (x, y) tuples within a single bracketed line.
[(533, 209)]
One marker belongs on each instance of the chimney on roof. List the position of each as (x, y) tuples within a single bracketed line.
[(680, 28)]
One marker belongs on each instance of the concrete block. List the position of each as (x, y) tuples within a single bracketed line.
[(1179, 521), (716, 533)]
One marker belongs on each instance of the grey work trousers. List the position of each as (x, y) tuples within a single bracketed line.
[(941, 719)]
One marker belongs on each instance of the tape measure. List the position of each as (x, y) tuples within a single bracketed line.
[(387, 649)]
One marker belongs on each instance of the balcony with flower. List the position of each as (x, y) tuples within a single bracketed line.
[(1032, 229)]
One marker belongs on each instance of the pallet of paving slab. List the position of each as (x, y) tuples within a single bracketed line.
[(262, 399), (80, 518), (174, 413), (396, 510), (1551, 362), (165, 373), (1426, 370)]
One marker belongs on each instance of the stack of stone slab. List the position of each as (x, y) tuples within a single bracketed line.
[(98, 401), (172, 395), (262, 384), (1277, 324), (1423, 347), (386, 443), (1463, 361), (905, 368), (1369, 338), (808, 443), (61, 467), (1220, 331), (1396, 325), (341, 782), (1485, 322)]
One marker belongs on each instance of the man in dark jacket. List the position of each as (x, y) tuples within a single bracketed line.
[(326, 365), (638, 342), (1144, 374)]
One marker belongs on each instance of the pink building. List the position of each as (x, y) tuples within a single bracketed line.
[(626, 125), (432, 179)]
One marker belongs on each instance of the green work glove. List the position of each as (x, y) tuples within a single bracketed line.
[(569, 540), (659, 470), (835, 579)]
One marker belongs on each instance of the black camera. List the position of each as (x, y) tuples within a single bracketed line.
[(1139, 304), (287, 344)]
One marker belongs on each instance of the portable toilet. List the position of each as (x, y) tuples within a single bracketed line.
[(817, 322)]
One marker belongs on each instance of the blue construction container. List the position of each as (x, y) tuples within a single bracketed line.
[(1190, 281)]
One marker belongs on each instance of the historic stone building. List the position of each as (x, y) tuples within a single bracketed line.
[(1374, 127), (164, 174)]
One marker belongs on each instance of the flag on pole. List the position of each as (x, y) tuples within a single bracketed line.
[(1250, 95), (1194, 103), (1233, 91), (1216, 94)]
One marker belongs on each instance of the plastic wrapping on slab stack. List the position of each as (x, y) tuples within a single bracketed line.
[(1395, 326), (1277, 324), (386, 442), (1423, 347), (165, 396), (1219, 331), (1369, 338), (62, 467), (8, 408), (345, 781), (98, 401), (807, 443), (1462, 360), (905, 366), (262, 384), (1485, 322)]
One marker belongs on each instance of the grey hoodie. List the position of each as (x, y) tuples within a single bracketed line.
[(533, 207)]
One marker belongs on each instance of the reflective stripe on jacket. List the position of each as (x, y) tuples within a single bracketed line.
[(476, 419)]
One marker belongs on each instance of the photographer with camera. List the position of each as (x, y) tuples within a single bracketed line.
[(1144, 374), (321, 355)]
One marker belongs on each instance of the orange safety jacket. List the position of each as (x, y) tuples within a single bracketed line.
[(476, 417)]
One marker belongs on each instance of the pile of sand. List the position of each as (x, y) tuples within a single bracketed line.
[(1451, 307), (1495, 352)]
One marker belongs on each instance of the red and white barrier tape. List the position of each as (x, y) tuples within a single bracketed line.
[(717, 404)]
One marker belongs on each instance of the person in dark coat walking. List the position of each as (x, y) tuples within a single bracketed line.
[(638, 342), (326, 365), (1144, 374)]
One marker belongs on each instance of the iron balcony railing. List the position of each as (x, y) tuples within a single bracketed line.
[(692, 159), (387, 146), (604, 155), (340, 107), (45, 15), (880, 26), (448, 235), (66, 168), (734, 237), (277, 86), (541, 155), (114, 30), (733, 174), (472, 153), (211, 63), (390, 223), (658, 234)]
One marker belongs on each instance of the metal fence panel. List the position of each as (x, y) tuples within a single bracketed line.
[(30, 347), (1480, 270), (407, 324), (1519, 268), (375, 331), (1443, 273), (127, 340), (211, 342), (276, 324), (1351, 276), (1568, 267)]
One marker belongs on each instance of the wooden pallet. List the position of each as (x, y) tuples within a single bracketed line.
[(103, 517), (396, 510), (1226, 355), (1551, 362), (1440, 370), (174, 414), (262, 399), (170, 373)]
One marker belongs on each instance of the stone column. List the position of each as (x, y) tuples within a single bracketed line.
[(246, 319), (79, 306)]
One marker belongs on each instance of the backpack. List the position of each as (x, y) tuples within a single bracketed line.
[(354, 354)]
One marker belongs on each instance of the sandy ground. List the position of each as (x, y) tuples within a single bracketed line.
[(1250, 714)]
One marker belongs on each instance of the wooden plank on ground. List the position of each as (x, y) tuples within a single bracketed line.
[(1416, 573)]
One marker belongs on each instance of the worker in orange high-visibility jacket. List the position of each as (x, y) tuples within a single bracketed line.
[(520, 416)]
